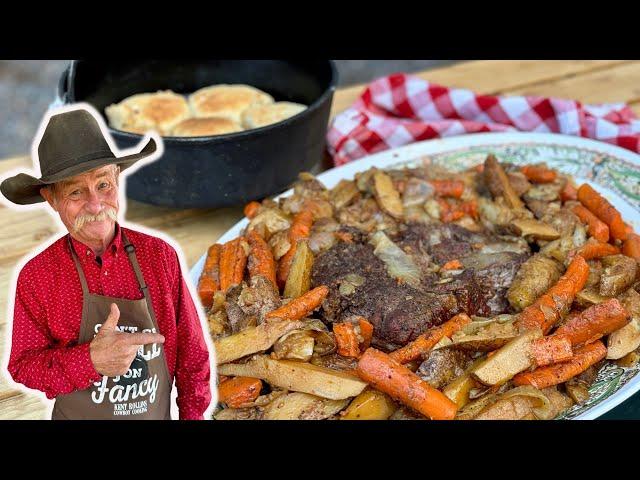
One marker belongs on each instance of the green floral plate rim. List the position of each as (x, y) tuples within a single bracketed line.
[(613, 171)]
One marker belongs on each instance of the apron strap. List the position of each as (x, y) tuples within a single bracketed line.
[(131, 253), (83, 279)]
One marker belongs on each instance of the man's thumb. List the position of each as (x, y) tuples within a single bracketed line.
[(112, 320)]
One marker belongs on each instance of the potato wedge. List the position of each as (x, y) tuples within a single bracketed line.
[(386, 195), (294, 346), (624, 341), (619, 274), (299, 279), (302, 406), (298, 377), (510, 360), (588, 297), (371, 404), (458, 390), (534, 278), (485, 336), (343, 194), (530, 228), (252, 339)]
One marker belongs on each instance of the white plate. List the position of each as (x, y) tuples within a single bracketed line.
[(611, 170)]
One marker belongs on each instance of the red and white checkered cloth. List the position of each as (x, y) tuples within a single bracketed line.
[(400, 109)]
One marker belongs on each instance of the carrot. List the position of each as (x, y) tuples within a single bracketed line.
[(427, 340), (538, 174), (448, 188), (547, 310), (239, 390), (551, 349), (397, 381), (209, 281), (261, 261), (470, 208), (345, 237), (592, 250), (302, 306), (251, 209), (346, 339), (366, 331), (631, 246), (558, 373), (299, 230), (601, 208), (452, 265), (595, 322), (450, 213), (597, 228), (233, 259), (568, 192)]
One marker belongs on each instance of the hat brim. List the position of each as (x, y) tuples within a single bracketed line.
[(24, 189)]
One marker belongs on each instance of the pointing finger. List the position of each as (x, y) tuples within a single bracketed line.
[(144, 338)]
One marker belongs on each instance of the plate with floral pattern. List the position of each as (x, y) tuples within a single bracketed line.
[(613, 171)]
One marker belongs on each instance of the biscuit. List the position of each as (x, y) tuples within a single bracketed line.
[(261, 115), (202, 127), (139, 113), (227, 101)]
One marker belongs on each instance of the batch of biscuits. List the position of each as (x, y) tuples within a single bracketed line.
[(213, 110)]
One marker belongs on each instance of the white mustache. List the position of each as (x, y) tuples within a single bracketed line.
[(103, 215)]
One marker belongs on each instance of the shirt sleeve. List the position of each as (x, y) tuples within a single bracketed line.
[(193, 370), (35, 360)]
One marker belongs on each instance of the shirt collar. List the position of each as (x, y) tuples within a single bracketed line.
[(113, 248)]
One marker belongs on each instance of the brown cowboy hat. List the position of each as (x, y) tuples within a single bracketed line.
[(72, 143)]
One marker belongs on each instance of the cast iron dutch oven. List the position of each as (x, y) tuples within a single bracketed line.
[(221, 170)]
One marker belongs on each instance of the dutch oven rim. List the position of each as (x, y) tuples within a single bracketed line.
[(215, 139)]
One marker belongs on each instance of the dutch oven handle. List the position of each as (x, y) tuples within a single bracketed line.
[(66, 92)]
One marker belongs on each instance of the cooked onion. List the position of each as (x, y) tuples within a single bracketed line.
[(399, 264)]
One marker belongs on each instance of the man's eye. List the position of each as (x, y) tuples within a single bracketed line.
[(75, 193), (103, 185)]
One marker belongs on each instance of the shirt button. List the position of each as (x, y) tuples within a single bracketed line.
[(88, 252), (105, 272)]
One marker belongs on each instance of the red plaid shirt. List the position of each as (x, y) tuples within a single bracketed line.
[(48, 309)]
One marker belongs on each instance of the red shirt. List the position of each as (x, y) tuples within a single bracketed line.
[(48, 310)]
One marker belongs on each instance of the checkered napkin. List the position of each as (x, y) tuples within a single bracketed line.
[(400, 109)]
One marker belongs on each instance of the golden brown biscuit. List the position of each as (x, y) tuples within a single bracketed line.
[(202, 127), (261, 115), (227, 101), (161, 111)]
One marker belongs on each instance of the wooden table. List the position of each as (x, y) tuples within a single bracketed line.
[(195, 230)]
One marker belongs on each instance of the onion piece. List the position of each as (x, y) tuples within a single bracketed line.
[(399, 265)]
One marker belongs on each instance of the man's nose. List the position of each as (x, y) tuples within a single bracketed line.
[(94, 204)]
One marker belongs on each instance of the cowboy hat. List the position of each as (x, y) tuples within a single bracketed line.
[(72, 143)]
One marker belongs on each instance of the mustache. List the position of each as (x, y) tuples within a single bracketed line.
[(82, 220)]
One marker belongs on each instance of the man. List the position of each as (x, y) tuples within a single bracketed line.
[(103, 319)]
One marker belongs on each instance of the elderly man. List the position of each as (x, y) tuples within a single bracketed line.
[(103, 320)]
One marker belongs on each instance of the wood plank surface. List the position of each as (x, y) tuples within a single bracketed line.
[(194, 230)]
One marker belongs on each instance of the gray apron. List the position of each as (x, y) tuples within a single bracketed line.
[(134, 395)]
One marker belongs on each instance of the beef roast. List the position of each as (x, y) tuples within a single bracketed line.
[(399, 313)]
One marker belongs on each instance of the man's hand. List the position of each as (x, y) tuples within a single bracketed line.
[(112, 351)]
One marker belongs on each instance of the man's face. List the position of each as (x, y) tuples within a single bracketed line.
[(87, 203)]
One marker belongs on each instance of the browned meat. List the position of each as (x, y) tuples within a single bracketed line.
[(398, 312), (495, 272)]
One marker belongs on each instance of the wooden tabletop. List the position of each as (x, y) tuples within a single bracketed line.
[(196, 229)]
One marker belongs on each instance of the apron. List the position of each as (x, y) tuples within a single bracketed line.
[(133, 396)]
